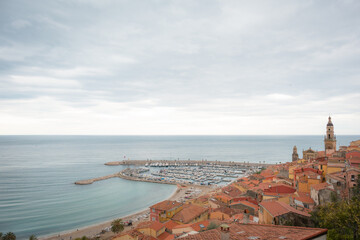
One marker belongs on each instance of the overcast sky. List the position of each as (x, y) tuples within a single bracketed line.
[(179, 67)]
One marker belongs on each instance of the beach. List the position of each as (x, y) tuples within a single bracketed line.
[(103, 229)]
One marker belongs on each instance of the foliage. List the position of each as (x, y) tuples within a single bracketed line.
[(1, 235), (342, 219), (83, 238), (33, 237), (212, 225), (117, 225), (9, 236)]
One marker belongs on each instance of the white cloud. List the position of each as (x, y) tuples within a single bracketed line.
[(39, 81)]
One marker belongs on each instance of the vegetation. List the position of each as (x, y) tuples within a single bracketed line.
[(8, 236), (340, 217), (33, 237), (117, 226), (83, 238), (212, 225)]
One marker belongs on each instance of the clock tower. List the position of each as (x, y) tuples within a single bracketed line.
[(330, 138)]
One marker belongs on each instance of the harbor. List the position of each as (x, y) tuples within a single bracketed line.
[(184, 172)]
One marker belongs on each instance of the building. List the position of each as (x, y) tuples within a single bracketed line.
[(132, 235), (191, 213), (330, 138), (321, 193), (164, 211), (279, 213), (295, 155), (310, 154), (151, 228)]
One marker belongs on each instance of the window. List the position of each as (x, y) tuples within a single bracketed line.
[(153, 218), (153, 210)]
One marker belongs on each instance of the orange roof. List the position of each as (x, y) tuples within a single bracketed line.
[(166, 205), (260, 232), (155, 225), (223, 196), (170, 224), (303, 197), (280, 208), (166, 236), (135, 234), (320, 186), (188, 213), (200, 225), (246, 203)]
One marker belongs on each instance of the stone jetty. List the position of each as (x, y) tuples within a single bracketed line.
[(90, 181)]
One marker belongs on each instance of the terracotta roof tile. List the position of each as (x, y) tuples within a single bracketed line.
[(170, 224), (188, 213), (155, 225), (166, 205), (165, 236), (320, 186), (199, 226), (279, 208), (246, 203), (259, 232)]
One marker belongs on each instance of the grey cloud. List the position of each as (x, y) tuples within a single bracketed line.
[(189, 55)]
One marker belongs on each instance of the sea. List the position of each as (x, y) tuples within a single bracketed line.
[(37, 174)]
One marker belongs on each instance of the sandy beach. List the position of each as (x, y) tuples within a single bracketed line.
[(103, 231)]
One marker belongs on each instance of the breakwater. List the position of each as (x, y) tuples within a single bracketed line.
[(155, 163), (90, 181)]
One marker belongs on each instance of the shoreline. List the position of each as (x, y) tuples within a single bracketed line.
[(95, 229)]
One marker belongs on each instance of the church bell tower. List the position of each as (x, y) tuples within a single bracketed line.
[(330, 138)]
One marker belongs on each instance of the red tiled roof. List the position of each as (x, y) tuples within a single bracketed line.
[(227, 210), (170, 224), (320, 186), (280, 208), (213, 234), (166, 205), (198, 228), (260, 232), (135, 234), (155, 225), (246, 203), (188, 213), (165, 236), (279, 188), (303, 197)]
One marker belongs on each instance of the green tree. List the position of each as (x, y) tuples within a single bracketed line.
[(117, 225), (1, 235), (82, 238), (212, 225), (33, 237), (9, 236), (342, 219)]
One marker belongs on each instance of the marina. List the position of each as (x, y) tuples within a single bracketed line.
[(188, 172)]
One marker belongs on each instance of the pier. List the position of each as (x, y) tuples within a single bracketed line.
[(90, 181)]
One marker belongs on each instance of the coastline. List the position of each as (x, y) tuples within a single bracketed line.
[(96, 229)]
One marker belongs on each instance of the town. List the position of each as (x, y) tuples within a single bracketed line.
[(276, 202)]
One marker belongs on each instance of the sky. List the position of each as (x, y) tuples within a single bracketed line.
[(189, 67)]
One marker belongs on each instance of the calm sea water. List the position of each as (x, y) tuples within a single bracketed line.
[(37, 194)]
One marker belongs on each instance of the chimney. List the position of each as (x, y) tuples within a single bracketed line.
[(224, 232)]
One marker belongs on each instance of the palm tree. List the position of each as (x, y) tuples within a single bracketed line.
[(117, 225), (9, 236), (33, 237)]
